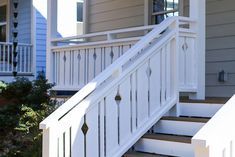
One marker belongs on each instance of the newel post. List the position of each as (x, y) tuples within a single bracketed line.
[(51, 33), (198, 12)]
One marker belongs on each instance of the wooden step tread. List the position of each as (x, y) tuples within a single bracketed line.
[(186, 119), (140, 154), (171, 138), (208, 100)]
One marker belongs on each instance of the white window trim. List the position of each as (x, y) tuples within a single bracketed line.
[(148, 11)]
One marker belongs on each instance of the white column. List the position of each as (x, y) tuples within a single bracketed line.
[(51, 33), (198, 12)]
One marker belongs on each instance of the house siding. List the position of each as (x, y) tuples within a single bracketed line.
[(24, 18), (41, 27), (220, 47), (108, 15)]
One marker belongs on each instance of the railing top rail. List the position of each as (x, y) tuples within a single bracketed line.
[(113, 69), (220, 127), (105, 33), (96, 44), (10, 43)]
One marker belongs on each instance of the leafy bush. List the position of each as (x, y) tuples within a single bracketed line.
[(19, 121)]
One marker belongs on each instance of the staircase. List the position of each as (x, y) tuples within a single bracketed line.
[(132, 106), (171, 136)]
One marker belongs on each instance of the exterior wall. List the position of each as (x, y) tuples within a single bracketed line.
[(220, 47), (40, 34), (24, 19), (108, 15)]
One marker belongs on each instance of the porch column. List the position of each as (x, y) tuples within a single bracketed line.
[(51, 33), (198, 12)]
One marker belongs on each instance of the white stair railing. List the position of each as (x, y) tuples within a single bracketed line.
[(217, 137), (108, 115)]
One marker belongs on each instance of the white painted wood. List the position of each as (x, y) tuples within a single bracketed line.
[(199, 109), (125, 111), (178, 127), (165, 147), (92, 136), (111, 108), (24, 62), (155, 83), (198, 11), (95, 104), (217, 136)]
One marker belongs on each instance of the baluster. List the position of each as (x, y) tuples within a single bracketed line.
[(4, 58), (8, 58), (25, 60), (1, 58)]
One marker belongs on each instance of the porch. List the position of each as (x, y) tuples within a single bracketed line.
[(16, 48)]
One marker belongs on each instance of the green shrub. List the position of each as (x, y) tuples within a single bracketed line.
[(19, 121)]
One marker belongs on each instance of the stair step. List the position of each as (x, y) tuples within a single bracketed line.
[(141, 154), (167, 137), (170, 145), (185, 126), (206, 110), (186, 119)]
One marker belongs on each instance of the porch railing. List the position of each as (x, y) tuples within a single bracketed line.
[(24, 58), (77, 60), (217, 137)]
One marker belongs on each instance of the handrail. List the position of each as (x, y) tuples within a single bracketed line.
[(105, 33), (219, 131), (10, 43), (111, 70)]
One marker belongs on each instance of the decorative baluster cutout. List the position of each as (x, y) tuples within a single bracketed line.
[(94, 67), (111, 54), (64, 58), (185, 46), (148, 72), (118, 99), (84, 128), (84, 131)]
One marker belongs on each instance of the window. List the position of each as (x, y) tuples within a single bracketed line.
[(163, 9), (3, 23), (79, 11)]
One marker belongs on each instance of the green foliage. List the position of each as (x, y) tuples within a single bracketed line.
[(19, 121), (2, 86), (23, 91)]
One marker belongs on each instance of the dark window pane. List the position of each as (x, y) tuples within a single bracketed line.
[(80, 12), (3, 10), (158, 5), (3, 33)]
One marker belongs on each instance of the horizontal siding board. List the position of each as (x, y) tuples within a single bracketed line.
[(220, 43), (220, 91), (212, 80), (220, 30), (122, 23), (114, 5), (220, 18), (114, 14), (218, 66), (220, 55)]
